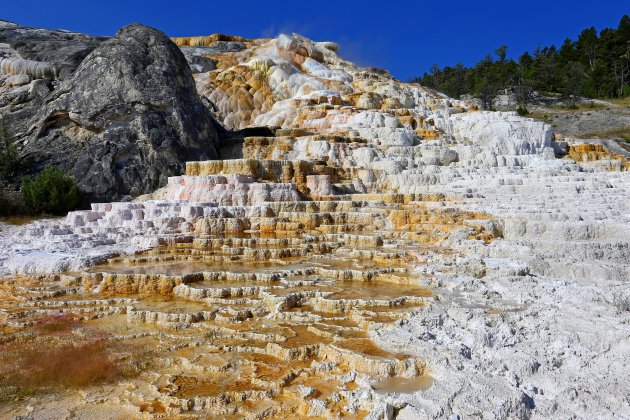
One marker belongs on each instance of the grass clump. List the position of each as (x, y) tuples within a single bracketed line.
[(621, 302), (620, 132), (620, 102), (17, 220), (71, 365), (56, 324), (59, 352)]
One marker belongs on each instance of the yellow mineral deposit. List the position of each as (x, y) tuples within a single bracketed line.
[(595, 152), (274, 265), (255, 324), (204, 41)]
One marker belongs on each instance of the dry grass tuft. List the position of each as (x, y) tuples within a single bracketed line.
[(58, 352), (56, 324), (620, 132), (621, 302), (67, 365), (22, 219), (17, 220)]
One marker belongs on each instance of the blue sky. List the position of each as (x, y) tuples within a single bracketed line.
[(403, 37)]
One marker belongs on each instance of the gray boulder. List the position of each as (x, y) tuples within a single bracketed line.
[(196, 56), (127, 118), (196, 60)]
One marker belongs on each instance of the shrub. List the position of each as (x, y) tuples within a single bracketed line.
[(10, 202), (8, 153), (50, 192), (522, 111)]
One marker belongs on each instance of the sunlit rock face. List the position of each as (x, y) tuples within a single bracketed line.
[(291, 82), (334, 111)]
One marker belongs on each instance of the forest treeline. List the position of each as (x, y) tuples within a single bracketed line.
[(596, 65)]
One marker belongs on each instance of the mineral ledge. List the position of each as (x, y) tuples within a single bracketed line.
[(388, 252)]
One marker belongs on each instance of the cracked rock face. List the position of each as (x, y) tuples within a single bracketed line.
[(127, 118), (63, 50)]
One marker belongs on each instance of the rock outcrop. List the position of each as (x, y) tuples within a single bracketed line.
[(32, 62), (127, 118), (62, 50)]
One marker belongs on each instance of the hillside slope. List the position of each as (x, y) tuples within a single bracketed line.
[(363, 248)]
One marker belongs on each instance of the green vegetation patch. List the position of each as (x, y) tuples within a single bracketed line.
[(621, 132), (596, 65), (50, 192)]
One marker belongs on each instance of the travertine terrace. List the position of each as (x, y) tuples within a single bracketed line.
[(363, 248)]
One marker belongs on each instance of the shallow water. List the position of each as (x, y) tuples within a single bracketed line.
[(190, 267), (377, 290), (403, 385)]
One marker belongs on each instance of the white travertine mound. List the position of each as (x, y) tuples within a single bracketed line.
[(228, 190), (503, 133), (524, 326), (85, 238), (551, 283)]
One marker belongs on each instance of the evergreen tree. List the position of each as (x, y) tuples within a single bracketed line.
[(594, 65), (8, 153)]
